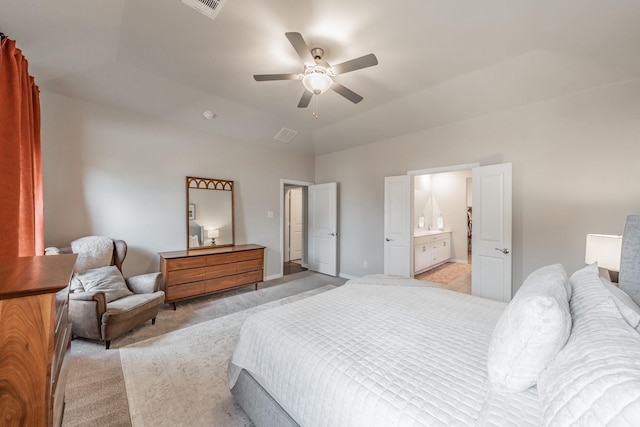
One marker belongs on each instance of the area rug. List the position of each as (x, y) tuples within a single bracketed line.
[(180, 378), (445, 273)]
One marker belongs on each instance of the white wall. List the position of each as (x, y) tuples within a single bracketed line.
[(450, 191), (423, 203), (115, 173), (576, 168)]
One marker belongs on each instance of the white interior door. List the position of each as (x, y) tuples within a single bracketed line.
[(287, 228), (491, 242), (398, 202), (323, 228), (296, 224)]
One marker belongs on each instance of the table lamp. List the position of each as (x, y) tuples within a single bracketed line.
[(605, 250), (213, 234)]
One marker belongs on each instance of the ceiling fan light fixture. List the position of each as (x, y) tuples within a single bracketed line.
[(318, 74), (316, 80)]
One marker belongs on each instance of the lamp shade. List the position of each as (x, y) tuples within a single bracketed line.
[(213, 233), (317, 82), (605, 250)]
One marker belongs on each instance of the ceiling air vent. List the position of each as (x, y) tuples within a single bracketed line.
[(209, 8), (285, 135)]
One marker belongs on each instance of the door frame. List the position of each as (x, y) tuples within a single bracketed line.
[(305, 184), (452, 168), (431, 171), (290, 207)]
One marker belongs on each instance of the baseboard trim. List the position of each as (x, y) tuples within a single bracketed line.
[(272, 277), (347, 276)]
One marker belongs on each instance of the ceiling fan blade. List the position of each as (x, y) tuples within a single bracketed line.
[(347, 93), (306, 98), (267, 77), (301, 47), (356, 64)]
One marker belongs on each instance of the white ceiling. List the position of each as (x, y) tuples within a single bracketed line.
[(440, 61)]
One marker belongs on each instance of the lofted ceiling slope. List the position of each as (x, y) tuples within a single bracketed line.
[(440, 61)]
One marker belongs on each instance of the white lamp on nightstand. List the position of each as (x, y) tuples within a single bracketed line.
[(605, 250), (213, 234)]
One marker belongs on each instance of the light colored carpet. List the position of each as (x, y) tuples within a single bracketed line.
[(95, 394), (180, 378)]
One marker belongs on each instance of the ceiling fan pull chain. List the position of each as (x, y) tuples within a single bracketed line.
[(315, 107)]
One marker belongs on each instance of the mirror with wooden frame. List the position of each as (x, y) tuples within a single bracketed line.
[(209, 213)]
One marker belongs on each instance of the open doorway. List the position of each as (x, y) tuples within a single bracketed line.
[(442, 229), (294, 241), (492, 228), (294, 229), (319, 227)]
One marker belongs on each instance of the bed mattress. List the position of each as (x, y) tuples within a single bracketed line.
[(381, 352)]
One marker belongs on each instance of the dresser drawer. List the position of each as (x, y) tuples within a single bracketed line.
[(61, 315), (184, 263), (254, 254), (62, 297), (185, 290), (220, 283), (221, 270), (221, 259), (59, 382), (61, 323), (249, 278), (250, 265), (185, 276)]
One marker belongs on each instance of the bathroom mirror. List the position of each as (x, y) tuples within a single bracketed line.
[(209, 212)]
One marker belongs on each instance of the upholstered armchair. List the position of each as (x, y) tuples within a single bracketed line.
[(102, 304)]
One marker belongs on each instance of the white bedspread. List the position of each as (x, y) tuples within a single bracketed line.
[(370, 354)]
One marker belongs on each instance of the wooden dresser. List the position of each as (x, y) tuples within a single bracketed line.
[(193, 273), (35, 339)]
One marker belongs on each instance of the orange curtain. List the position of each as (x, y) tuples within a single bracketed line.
[(21, 199)]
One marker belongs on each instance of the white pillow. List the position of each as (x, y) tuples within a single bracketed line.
[(52, 250), (595, 379), (75, 285), (590, 290), (532, 330), (107, 279), (628, 309), (587, 290)]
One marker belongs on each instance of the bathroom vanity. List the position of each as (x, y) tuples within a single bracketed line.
[(431, 248)]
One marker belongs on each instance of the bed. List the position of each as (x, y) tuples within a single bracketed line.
[(381, 351)]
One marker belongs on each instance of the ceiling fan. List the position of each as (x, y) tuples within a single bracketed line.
[(318, 75)]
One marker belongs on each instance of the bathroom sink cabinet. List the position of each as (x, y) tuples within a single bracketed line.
[(431, 250)]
